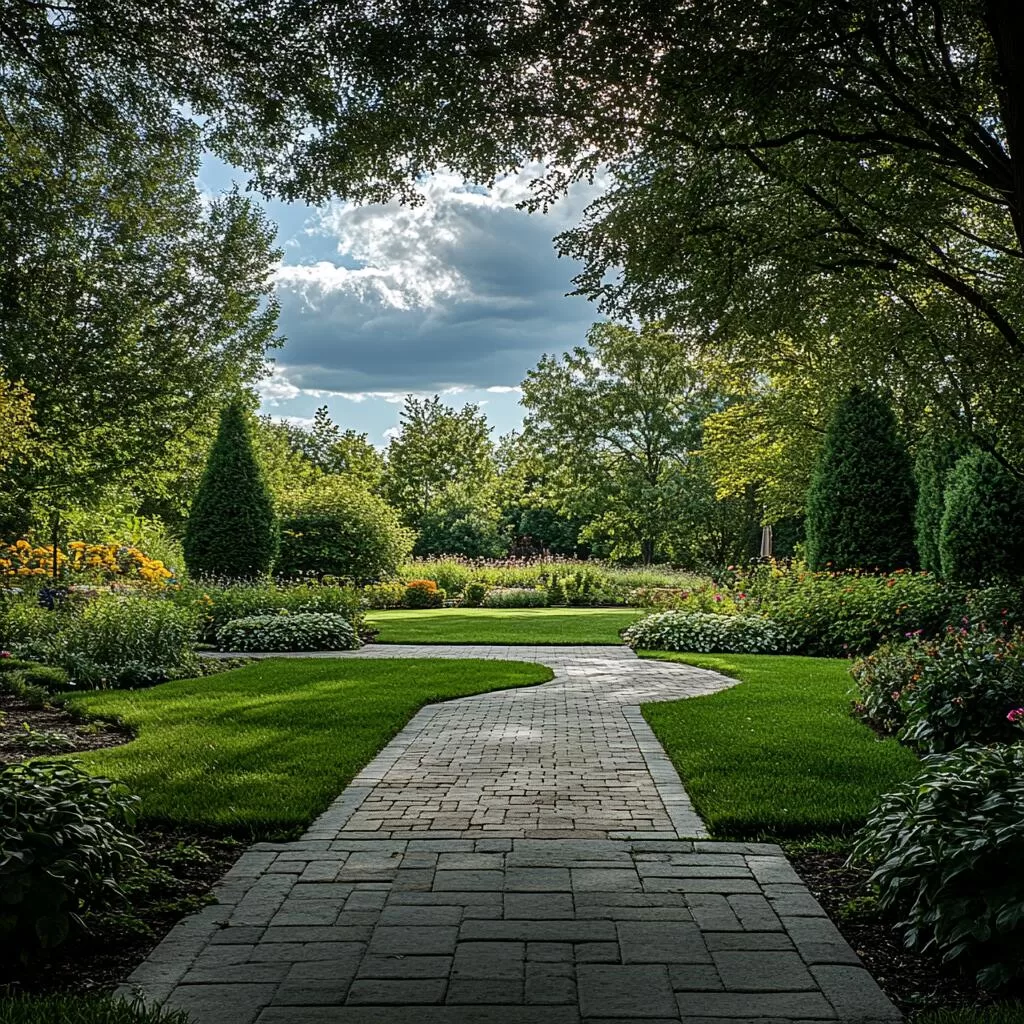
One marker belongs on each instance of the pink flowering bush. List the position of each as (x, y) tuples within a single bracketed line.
[(937, 694)]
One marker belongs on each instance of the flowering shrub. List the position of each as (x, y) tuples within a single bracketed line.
[(65, 841), (304, 631), (219, 602), (705, 596), (423, 594), (948, 847), (938, 694), (515, 597), (124, 641), (705, 633), (96, 563)]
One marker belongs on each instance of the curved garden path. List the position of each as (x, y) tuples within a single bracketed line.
[(526, 856)]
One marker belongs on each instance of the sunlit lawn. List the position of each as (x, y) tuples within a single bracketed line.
[(504, 625), (265, 748)]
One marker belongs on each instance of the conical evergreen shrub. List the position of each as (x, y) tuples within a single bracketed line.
[(982, 536), (232, 530), (936, 457), (860, 506)]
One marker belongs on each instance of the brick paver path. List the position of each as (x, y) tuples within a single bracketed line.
[(521, 857)]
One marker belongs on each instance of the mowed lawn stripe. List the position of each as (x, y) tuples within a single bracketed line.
[(779, 754), (567, 626), (264, 749)]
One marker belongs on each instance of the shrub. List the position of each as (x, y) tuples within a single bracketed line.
[(880, 678), (338, 529), (982, 533), (936, 457), (423, 594), (304, 631), (860, 506), (384, 595), (25, 627), (458, 522), (47, 676), (948, 848), (515, 597), (953, 690), (704, 633), (65, 841), (231, 530), (556, 593), (474, 594), (117, 641), (221, 602)]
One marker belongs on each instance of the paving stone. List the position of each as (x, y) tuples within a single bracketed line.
[(695, 978), (661, 942), (539, 931), (755, 913), (490, 991), (482, 1014), (787, 1006), (537, 880), (763, 971), (605, 880), (489, 960), (405, 967), (854, 993), (549, 952), (411, 941), (538, 906), (307, 952), (630, 991), (430, 916), (550, 984), (717, 941), (470, 861), (392, 991), (820, 941), (597, 953), (468, 881), (221, 1004)]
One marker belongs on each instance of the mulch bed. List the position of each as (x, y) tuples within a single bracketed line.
[(184, 866), (17, 744), (910, 980)]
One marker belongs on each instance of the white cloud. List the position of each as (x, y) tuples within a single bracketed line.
[(504, 389)]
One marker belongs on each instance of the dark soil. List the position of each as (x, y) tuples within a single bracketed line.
[(51, 730), (180, 869), (910, 980)]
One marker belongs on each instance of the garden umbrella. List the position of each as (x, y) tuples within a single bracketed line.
[(766, 542)]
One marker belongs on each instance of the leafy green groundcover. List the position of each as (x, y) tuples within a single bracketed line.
[(778, 755), (262, 750), (504, 625), (1001, 1013), (82, 1010)]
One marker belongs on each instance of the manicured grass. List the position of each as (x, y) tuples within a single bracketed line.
[(779, 754), (263, 749), (504, 625), (82, 1010)]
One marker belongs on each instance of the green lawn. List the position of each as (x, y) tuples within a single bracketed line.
[(778, 755), (263, 749), (504, 625), (83, 1010)]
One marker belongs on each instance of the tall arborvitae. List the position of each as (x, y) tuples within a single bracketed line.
[(936, 456), (982, 536), (232, 530), (860, 506)]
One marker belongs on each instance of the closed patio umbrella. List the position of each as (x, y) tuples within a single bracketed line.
[(766, 543)]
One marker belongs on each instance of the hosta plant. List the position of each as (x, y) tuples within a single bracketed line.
[(947, 849), (65, 842), (305, 631), (705, 633)]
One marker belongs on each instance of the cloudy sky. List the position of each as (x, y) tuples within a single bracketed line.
[(459, 296)]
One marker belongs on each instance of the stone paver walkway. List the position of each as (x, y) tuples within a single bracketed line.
[(521, 857)]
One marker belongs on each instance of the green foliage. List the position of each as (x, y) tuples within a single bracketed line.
[(436, 446), (49, 677), (65, 841), (337, 529), (83, 1010), (302, 631), (474, 594), (779, 754), (460, 522), (947, 849), (125, 641), (942, 693), (25, 627), (220, 602), (423, 594), (982, 532), (556, 593), (705, 633), (231, 530), (266, 748), (515, 597), (860, 506), (384, 595), (937, 454)]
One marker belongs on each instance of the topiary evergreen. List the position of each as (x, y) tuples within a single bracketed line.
[(936, 457), (231, 530), (860, 506), (982, 534)]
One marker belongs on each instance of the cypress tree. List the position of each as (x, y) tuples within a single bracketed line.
[(860, 506), (232, 530), (982, 535), (936, 457)]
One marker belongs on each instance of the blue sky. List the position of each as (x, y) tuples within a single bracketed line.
[(458, 296)]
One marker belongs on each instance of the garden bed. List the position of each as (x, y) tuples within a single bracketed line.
[(51, 730)]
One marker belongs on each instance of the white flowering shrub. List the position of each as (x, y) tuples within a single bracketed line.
[(303, 631), (705, 633), (515, 597)]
